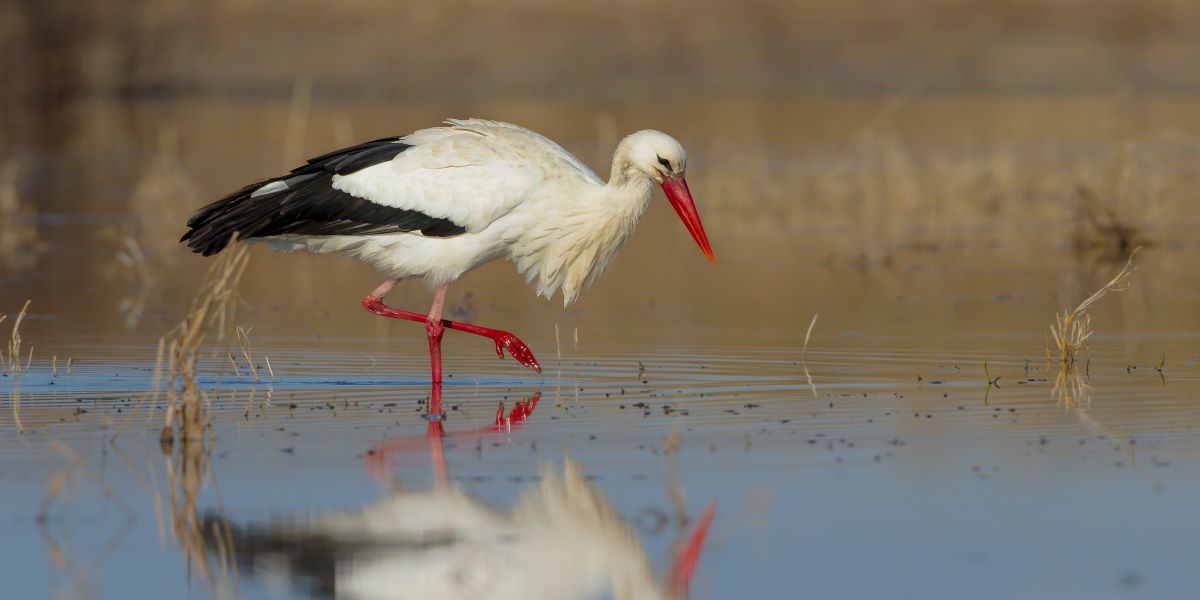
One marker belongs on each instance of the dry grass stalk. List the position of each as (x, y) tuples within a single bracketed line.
[(1072, 329), (12, 365), (243, 337), (233, 363), (211, 311), (804, 354), (808, 335)]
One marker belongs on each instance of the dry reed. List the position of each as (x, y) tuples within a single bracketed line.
[(804, 355), (243, 339), (1072, 329), (12, 363), (211, 312)]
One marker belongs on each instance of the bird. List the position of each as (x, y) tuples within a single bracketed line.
[(562, 540), (441, 201)]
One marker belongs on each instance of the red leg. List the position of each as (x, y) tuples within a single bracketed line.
[(503, 339), (435, 330)]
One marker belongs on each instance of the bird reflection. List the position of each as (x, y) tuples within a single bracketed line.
[(561, 540)]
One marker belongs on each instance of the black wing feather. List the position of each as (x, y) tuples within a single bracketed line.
[(309, 205)]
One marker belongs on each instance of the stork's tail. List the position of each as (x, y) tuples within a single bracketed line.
[(212, 227)]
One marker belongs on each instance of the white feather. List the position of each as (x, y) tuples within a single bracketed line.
[(269, 188), (518, 194)]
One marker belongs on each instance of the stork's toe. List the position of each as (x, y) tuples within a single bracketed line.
[(518, 349)]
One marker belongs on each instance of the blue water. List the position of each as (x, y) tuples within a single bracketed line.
[(874, 485)]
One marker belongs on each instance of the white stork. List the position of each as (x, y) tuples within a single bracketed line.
[(441, 201)]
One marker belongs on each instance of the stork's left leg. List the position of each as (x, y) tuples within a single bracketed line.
[(435, 326)]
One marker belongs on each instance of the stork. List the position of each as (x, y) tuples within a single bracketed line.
[(441, 201)]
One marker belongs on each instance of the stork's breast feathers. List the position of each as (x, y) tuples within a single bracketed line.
[(460, 177)]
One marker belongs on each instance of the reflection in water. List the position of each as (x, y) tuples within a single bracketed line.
[(562, 539), (188, 470), (435, 433)]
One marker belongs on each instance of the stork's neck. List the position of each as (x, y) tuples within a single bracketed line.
[(624, 175), (591, 223), (628, 189)]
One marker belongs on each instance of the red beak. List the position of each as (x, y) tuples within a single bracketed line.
[(677, 192)]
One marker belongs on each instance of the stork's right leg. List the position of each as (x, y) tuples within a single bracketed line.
[(434, 325)]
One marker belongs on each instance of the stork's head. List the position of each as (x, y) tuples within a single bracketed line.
[(659, 157)]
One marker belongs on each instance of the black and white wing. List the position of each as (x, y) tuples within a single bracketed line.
[(440, 182)]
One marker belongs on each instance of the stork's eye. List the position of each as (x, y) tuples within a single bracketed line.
[(664, 162)]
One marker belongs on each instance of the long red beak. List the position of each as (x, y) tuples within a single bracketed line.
[(677, 192)]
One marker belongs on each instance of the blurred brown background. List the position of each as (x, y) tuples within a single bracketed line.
[(839, 149)]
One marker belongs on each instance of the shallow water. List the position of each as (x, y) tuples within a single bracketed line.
[(897, 469), (878, 463)]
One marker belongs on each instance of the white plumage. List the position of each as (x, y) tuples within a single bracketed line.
[(519, 195), (441, 201)]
